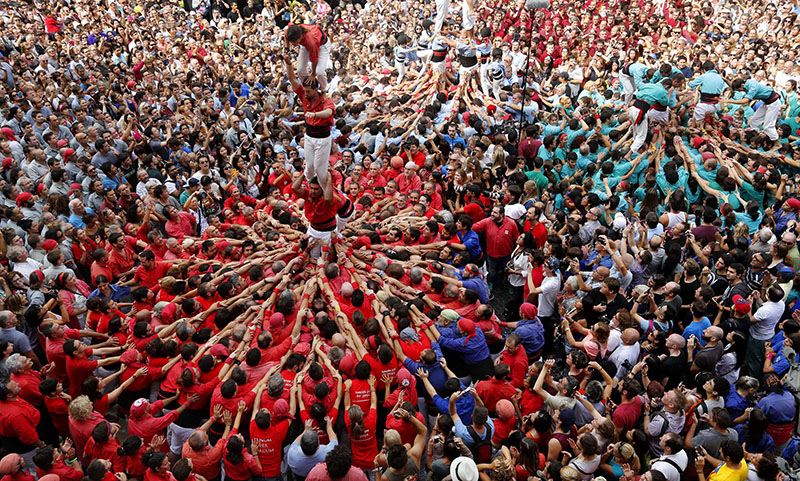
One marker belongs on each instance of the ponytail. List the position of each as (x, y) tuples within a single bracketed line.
[(357, 427)]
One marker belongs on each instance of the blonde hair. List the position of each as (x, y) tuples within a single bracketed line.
[(607, 429), (80, 409), (568, 473), (741, 230), (628, 455), (391, 438)]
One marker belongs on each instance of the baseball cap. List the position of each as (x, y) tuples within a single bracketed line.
[(139, 407), (741, 304)]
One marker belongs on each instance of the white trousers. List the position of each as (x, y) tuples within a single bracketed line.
[(401, 70), (765, 118), (176, 436), (628, 87), (323, 60), (318, 154), (702, 109), (639, 130), (659, 116), (467, 19), (442, 8)]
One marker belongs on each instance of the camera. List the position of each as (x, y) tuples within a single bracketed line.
[(627, 365)]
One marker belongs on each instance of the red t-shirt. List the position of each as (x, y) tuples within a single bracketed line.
[(627, 414), (269, 442), (78, 370), (321, 214), (364, 447), (59, 412), (150, 278), (55, 354), (360, 394), (64, 472)]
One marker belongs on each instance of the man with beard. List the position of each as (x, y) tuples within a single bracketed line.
[(707, 358), (501, 233)]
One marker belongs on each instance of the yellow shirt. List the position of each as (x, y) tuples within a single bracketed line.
[(725, 473)]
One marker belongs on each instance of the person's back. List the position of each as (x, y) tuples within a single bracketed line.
[(338, 466)]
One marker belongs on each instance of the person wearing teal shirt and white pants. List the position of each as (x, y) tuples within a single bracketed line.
[(767, 115), (647, 96)]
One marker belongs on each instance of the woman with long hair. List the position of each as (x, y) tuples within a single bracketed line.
[(519, 266), (753, 435), (733, 356), (73, 293), (239, 464), (361, 427)]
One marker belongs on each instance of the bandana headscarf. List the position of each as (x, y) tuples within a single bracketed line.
[(528, 311), (276, 323), (467, 326), (409, 335)]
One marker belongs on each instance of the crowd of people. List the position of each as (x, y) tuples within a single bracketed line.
[(399, 240)]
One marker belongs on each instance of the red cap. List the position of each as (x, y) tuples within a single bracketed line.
[(139, 407), (303, 348), (281, 410), (23, 197), (75, 185), (39, 188), (49, 245), (67, 153), (697, 142), (491, 109), (62, 143), (708, 155), (218, 350), (129, 356), (742, 306), (793, 203), (131, 84), (363, 241), (7, 162)]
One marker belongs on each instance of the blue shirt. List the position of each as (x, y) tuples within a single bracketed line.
[(472, 243), (464, 406), (696, 329), (473, 350), (765, 444), (736, 404), (463, 433), (779, 408), (757, 91), (531, 335), (77, 221), (710, 83), (436, 374), (117, 292), (478, 284)]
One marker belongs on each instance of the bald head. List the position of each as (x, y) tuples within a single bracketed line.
[(630, 336), (656, 241), (673, 288), (676, 340), (715, 332), (338, 340)]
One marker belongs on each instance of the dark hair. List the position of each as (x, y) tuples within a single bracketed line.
[(339, 461)]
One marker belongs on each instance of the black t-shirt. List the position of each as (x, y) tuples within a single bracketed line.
[(673, 368)]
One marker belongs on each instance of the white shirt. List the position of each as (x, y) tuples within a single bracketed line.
[(26, 268), (623, 353), (668, 470), (547, 299), (767, 316)]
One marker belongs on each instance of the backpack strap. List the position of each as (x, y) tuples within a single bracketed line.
[(671, 463)]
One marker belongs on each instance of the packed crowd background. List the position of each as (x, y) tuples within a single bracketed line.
[(399, 240)]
